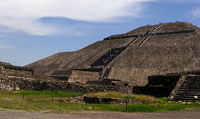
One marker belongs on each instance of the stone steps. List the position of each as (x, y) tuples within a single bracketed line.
[(189, 91), (107, 57)]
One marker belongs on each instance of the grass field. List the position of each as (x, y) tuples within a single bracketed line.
[(42, 101)]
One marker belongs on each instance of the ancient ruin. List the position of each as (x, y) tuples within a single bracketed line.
[(160, 60), (14, 78)]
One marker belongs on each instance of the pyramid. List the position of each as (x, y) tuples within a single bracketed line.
[(132, 57)]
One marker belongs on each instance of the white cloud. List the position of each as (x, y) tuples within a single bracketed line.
[(196, 13), (30, 26), (23, 15), (184, 1)]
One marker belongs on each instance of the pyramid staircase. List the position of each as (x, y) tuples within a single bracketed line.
[(114, 52), (95, 70), (106, 73), (187, 89), (107, 57)]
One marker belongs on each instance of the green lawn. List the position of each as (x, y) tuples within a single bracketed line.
[(42, 101)]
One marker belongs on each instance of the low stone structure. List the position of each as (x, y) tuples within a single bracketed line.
[(101, 100), (14, 78)]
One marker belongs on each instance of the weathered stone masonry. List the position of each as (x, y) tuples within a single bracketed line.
[(15, 78)]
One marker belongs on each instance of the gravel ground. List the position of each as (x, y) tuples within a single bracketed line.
[(13, 114)]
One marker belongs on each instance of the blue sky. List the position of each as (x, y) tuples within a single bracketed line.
[(34, 29)]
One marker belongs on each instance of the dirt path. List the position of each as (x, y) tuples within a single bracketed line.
[(13, 114)]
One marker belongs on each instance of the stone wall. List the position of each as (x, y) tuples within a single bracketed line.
[(12, 83), (158, 85), (83, 76), (132, 76), (163, 80), (153, 91), (17, 71), (62, 74), (100, 100), (5, 85), (16, 78)]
